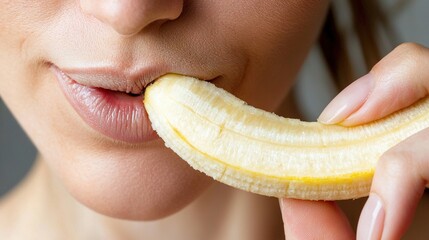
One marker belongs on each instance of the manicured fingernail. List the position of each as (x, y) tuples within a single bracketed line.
[(348, 101), (371, 220), (282, 210), (281, 203)]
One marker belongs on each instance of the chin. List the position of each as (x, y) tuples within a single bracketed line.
[(133, 184), (136, 206)]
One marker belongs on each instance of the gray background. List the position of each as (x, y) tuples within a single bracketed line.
[(408, 17), (16, 151)]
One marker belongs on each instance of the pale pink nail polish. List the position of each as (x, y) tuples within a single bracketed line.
[(348, 101), (281, 203), (370, 226)]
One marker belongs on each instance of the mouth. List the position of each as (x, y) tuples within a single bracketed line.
[(132, 83), (110, 101)]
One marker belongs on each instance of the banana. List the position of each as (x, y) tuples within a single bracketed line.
[(260, 152)]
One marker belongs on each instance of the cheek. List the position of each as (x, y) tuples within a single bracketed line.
[(276, 36), (268, 25), (21, 23)]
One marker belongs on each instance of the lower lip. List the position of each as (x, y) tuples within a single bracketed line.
[(114, 114)]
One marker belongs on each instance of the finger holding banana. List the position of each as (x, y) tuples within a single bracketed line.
[(396, 82), (401, 174)]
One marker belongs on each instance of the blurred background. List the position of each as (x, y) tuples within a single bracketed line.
[(16, 151), (313, 91)]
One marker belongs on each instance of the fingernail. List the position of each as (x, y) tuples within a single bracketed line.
[(348, 101), (281, 203), (283, 208), (371, 220)]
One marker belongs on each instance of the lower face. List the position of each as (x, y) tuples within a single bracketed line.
[(112, 161)]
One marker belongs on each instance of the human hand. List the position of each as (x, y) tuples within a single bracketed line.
[(397, 81)]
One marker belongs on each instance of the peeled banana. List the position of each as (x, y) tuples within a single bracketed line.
[(260, 152)]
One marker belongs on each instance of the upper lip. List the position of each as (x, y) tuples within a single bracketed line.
[(115, 79)]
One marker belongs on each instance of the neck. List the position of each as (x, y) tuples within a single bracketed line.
[(41, 204)]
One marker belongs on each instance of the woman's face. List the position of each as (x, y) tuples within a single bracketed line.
[(66, 67)]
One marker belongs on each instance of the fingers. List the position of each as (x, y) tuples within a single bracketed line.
[(399, 181), (314, 220), (398, 80)]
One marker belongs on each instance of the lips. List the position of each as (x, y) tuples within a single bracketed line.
[(109, 102)]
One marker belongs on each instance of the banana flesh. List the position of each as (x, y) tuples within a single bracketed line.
[(263, 153)]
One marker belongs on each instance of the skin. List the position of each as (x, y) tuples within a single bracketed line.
[(256, 49), (244, 42)]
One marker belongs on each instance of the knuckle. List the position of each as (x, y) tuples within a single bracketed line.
[(409, 47), (404, 59), (394, 163), (399, 172)]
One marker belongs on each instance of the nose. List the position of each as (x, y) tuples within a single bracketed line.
[(129, 17)]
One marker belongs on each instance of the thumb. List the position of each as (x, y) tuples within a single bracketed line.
[(397, 81), (314, 220)]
